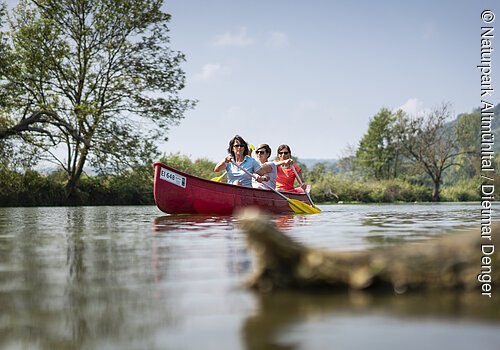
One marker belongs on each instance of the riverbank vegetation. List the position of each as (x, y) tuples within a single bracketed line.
[(135, 186), (377, 171)]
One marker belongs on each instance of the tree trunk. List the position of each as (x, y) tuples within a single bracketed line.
[(75, 177), (436, 190)]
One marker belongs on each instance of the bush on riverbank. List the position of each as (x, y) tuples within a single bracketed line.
[(134, 187), (29, 189), (35, 189), (334, 188), (462, 191)]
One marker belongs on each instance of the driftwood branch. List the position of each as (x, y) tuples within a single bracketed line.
[(450, 262)]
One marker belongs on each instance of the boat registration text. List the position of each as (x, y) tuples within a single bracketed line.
[(172, 177)]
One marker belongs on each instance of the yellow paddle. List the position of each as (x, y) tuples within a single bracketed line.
[(301, 184), (251, 149), (297, 206), (219, 178)]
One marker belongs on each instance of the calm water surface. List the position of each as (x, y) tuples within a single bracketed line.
[(134, 278)]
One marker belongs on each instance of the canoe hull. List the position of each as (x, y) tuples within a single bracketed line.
[(176, 192)]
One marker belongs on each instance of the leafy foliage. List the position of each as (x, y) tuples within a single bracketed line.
[(31, 188), (104, 71), (200, 167), (378, 151)]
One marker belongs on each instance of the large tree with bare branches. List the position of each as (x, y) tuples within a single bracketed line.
[(94, 78), (429, 143)]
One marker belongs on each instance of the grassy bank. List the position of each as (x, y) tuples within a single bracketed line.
[(35, 189), (334, 188)]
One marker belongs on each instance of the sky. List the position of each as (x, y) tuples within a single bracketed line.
[(311, 74)]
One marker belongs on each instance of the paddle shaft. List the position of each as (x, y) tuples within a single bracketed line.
[(269, 187), (301, 184)]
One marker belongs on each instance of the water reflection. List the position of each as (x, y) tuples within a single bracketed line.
[(66, 281), (186, 227), (189, 222), (132, 278), (285, 222), (283, 319), (201, 222)]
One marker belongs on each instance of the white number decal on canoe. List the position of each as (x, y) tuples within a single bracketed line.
[(172, 177)]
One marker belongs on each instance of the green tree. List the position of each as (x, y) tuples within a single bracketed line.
[(102, 75), (378, 151), (428, 143)]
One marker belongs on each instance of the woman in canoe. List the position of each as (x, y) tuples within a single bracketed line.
[(237, 158), (263, 152), (285, 171)]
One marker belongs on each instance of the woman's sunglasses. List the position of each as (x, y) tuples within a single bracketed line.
[(238, 146), (280, 153), (260, 152)]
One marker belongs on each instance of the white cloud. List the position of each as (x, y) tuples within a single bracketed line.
[(228, 39), (413, 107), (208, 72), (277, 40)]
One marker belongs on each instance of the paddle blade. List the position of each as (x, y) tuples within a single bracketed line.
[(219, 178), (300, 207)]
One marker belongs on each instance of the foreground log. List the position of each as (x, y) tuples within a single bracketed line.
[(450, 262)]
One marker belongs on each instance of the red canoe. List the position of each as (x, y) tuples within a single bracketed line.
[(179, 193)]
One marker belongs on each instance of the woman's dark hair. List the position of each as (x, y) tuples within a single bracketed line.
[(242, 142), (282, 147)]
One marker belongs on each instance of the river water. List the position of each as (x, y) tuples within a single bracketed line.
[(135, 278)]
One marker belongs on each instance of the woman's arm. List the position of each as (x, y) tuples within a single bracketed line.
[(262, 173), (284, 162), (222, 164), (264, 169), (267, 169)]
